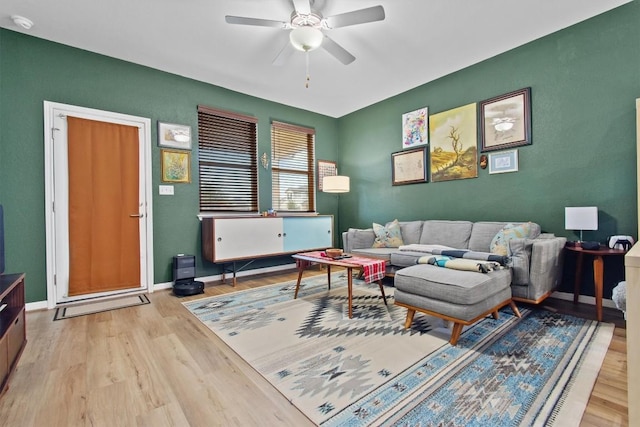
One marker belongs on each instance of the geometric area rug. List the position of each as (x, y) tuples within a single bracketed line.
[(369, 371)]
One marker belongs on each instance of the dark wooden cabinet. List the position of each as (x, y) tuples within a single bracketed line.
[(13, 335)]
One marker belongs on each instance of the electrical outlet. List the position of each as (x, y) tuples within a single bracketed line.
[(166, 190)]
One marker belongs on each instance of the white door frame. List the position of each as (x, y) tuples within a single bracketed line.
[(53, 128)]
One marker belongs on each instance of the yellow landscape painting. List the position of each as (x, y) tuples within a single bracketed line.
[(454, 144)]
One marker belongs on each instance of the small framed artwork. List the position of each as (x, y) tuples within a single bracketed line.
[(504, 161), (415, 128), (505, 120), (174, 136), (409, 166), (326, 168), (176, 166)]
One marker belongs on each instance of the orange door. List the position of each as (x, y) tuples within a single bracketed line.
[(104, 220)]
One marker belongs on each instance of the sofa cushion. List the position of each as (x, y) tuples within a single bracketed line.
[(500, 243), (379, 253), (482, 234), (411, 231), (361, 238), (387, 236), (405, 258), (449, 233), (454, 286)]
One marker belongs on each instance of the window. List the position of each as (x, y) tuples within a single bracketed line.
[(292, 168), (227, 161)]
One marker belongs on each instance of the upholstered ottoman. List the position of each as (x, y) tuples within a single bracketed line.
[(463, 297)]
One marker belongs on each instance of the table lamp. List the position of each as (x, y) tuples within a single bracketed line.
[(581, 218)]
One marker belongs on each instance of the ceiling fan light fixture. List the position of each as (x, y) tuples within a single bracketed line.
[(306, 38), (22, 22)]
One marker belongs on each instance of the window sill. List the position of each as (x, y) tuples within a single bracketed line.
[(250, 214)]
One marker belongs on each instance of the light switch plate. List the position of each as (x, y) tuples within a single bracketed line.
[(166, 190)]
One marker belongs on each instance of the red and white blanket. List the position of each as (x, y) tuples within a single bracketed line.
[(372, 269)]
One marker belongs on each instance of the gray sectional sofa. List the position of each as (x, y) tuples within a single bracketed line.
[(532, 271), (536, 262)]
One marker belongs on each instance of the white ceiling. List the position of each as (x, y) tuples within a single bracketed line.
[(419, 41)]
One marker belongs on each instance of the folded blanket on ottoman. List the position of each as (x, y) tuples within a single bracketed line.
[(460, 263), (457, 253)]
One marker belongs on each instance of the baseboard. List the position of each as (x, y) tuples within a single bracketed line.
[(567, 296), (229, 277), (42, 305), (33, 306)]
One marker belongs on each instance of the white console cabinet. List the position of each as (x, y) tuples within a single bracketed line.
[(246, 238), (226, 240)]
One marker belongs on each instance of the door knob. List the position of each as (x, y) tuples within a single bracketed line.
[(136, 215)]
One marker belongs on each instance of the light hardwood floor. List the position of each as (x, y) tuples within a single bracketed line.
[(156, 365)]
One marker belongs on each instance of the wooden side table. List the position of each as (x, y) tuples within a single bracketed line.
[(598, 271)]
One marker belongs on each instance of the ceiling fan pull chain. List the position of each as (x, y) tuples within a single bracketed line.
[(306, 54)]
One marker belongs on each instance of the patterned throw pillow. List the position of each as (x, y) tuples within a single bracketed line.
[(388, 236), (500, 242)]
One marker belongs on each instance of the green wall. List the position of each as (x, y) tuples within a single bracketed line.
[(584, 81), (34, 70), (2, 150)]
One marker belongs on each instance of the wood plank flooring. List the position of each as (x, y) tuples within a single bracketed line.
[(156, 365), (608, 405)]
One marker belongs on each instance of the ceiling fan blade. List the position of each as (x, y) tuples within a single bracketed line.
[(302, 6), (284, 54), (361, 16), (241, 20), (337, 51)]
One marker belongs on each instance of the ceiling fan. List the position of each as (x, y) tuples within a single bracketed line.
[(307, 28)]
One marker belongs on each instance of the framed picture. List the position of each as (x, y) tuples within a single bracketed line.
[(174, 136), (453, 140), (176, 166), (506, 120), (326, 168), (415, 128), (409, 166), (504, 161)]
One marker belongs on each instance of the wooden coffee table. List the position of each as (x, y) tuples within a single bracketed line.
[(305, 260)]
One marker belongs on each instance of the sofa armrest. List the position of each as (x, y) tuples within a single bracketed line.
[(357, 238), (545, 271), (519, 251)]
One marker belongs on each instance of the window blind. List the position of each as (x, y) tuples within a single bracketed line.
[(292, 167), (227, 161)]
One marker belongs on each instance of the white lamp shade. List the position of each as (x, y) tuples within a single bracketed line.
[(306, 38), (335, 184), (582, 218)]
